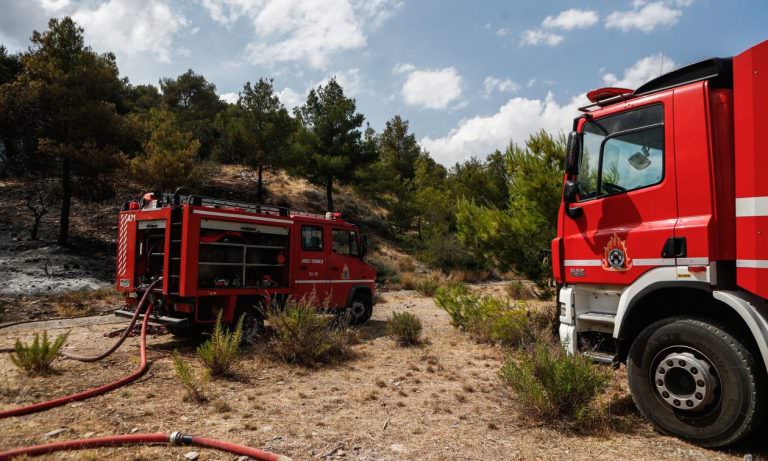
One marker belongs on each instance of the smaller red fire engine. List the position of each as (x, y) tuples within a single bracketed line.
[(236, 258)]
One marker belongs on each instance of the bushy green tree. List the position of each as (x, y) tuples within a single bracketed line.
[(170, 154), (257, 130), (518, 236), (330, 144), (194, 100), (67, 94)]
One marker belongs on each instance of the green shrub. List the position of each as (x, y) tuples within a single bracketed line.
[(405, 328), (304, 336), (490, 319), (425, 285), (553, 384), (517, 290), (221, 352), (36, 358), (193, 385)]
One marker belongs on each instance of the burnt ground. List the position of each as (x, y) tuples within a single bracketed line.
[(441, 401)]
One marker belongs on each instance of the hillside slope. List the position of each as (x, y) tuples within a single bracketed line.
[(40, 266)]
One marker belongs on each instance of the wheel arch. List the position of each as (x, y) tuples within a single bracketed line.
[(737, 313), (362, 289)]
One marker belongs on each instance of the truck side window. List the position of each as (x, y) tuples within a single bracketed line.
[(311, 238), (632, 161), (345, 243), (614, 170)]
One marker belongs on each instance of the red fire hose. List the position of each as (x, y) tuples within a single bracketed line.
[(40, 406), (176, 438), (157, 437), (123, 337)]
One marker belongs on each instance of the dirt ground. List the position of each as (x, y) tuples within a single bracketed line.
[(442, 401)]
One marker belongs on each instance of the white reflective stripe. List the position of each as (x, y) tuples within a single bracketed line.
[(751, 206), (752, 263), (241, 216), (583, 262), (692, 261), (642, 262), (304, 282)]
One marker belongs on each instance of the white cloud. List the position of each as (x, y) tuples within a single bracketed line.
[(432, 89), (229, 97), (403, 68), (491, 84), (290, 98), (130, 27), (538, 36), (646, 16), (571, 19), (514, 121), (641, 71), (565, 20), (519, 117), (303, 31), (350, 80), (54, 6), (503, 32), (531, 82)]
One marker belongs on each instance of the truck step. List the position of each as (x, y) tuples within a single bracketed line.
[(603, 358), (598, 317), (159, 320)]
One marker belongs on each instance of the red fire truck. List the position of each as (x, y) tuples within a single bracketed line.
[(237, 258), (661, 253)]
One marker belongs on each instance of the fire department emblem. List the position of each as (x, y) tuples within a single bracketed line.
[(345, 273), (615, 256)]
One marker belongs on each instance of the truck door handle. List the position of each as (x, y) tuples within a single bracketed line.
[(674, 247)]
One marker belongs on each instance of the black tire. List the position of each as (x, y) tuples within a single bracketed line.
[(720, 419), (253, 322), (360, 309)]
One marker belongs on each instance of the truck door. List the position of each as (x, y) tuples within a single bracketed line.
[(627, 198), (312, 265), (345, 264)]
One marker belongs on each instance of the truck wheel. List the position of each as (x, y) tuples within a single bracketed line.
[(253, 322), (694, 380), (360, 309)]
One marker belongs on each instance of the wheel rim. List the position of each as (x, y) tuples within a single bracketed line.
[(357, 311), (685, 379), (249, 327)]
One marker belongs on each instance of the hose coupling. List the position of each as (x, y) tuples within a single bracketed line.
[(178, 438)]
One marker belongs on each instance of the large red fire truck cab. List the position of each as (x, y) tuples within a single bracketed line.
[(661, 251), (238, 258)]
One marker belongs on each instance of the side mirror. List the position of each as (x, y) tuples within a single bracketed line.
[(573, 153), (570, 193)]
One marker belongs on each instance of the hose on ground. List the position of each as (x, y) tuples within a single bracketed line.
[(123, 337), (88, 393), (150, 438)]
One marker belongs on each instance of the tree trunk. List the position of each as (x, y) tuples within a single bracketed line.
[(260, 193), (36, 226), (66, 202), (329, 192)]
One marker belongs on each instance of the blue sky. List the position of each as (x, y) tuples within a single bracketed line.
[(470, 76)]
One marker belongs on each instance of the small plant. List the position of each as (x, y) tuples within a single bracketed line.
[(405, 328), (193, 385), (425, 285), (491, 319), (221, 352), (553, 384), (517, 290), (36, 358), (302, 335)]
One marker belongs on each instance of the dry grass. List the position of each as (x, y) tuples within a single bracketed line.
[(79, 303), (343, 405)]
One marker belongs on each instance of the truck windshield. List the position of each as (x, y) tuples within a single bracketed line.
[(629, 161)]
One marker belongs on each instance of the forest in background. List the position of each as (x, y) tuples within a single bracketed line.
[(72, 126)]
